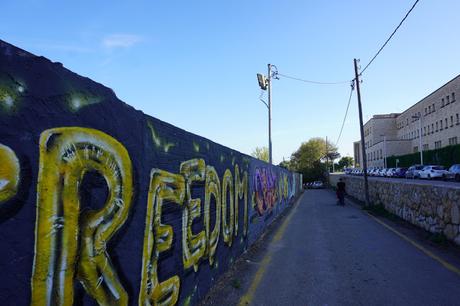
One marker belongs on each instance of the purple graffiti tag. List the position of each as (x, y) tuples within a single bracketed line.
[(265, 190)]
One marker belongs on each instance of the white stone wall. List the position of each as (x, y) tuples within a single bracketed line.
[(435, 208), (432, 109), (408, 128)]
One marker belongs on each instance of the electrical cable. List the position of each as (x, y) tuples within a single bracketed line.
[(262, 93), (389, 38), (352, 85), (312, 82)]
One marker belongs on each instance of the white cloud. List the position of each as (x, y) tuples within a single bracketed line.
[(120, 40)]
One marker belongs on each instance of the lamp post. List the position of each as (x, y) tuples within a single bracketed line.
[(265, 83), (269, 113), (419, 117)]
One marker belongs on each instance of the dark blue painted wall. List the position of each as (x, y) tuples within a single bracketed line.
[(36, 96)]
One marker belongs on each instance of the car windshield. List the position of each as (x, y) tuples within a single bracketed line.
[(438, 168)]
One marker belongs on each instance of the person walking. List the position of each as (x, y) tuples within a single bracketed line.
[(341, 192)]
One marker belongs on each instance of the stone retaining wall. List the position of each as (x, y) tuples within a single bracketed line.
[(433, 207)]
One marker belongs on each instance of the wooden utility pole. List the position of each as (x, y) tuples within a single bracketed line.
[(361, 127)]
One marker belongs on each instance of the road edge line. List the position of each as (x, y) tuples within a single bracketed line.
[(246, 299), (427, 252)]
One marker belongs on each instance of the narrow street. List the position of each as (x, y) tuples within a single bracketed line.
[(323, 254)]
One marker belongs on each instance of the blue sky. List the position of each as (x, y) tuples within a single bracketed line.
[(194, 63)]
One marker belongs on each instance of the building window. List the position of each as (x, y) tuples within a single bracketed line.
[(437, 144), (424, 131), (415, 149), (451, 121), (446, 124), (425, 147), (442, 102), (440, 123), (432, 128), (434, 108), (448, 99), (429, 109), (453, 97), (436, 126), (453, 141)]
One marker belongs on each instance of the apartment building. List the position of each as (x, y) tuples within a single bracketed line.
[(434, 120)]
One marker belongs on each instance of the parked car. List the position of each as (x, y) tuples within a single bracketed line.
[(433, 171), (317, 185), (413, 171), (375, 172), (400, 172), (390, 172), (382, 172), (454, 172)]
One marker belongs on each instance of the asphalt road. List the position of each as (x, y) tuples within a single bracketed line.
[(323, 254), (437, 182)]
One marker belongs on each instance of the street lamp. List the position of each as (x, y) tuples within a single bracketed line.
[(419, 117), (265, 83)]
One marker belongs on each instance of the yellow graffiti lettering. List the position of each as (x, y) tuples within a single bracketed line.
[(280, 188), (212, 189), (241, 192), (286, 186), (66, 155), (228, 222), (9, 173), (158, 237), (194, 246)]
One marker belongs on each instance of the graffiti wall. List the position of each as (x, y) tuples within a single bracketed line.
[(101, 204)]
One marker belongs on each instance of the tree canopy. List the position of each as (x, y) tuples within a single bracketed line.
[(261, 153), (345, 162), (310, 158)]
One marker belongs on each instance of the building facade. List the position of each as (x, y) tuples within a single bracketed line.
[(433, 122)]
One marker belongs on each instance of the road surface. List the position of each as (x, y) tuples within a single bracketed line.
[(323, 254), (435, 182)]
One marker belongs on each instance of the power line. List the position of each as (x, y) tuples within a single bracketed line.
[(312, 82), (389, 38), (352, 85)]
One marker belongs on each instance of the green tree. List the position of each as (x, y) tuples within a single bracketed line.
[(310, 158), (345, 162), (286, 164), (260, 153)]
